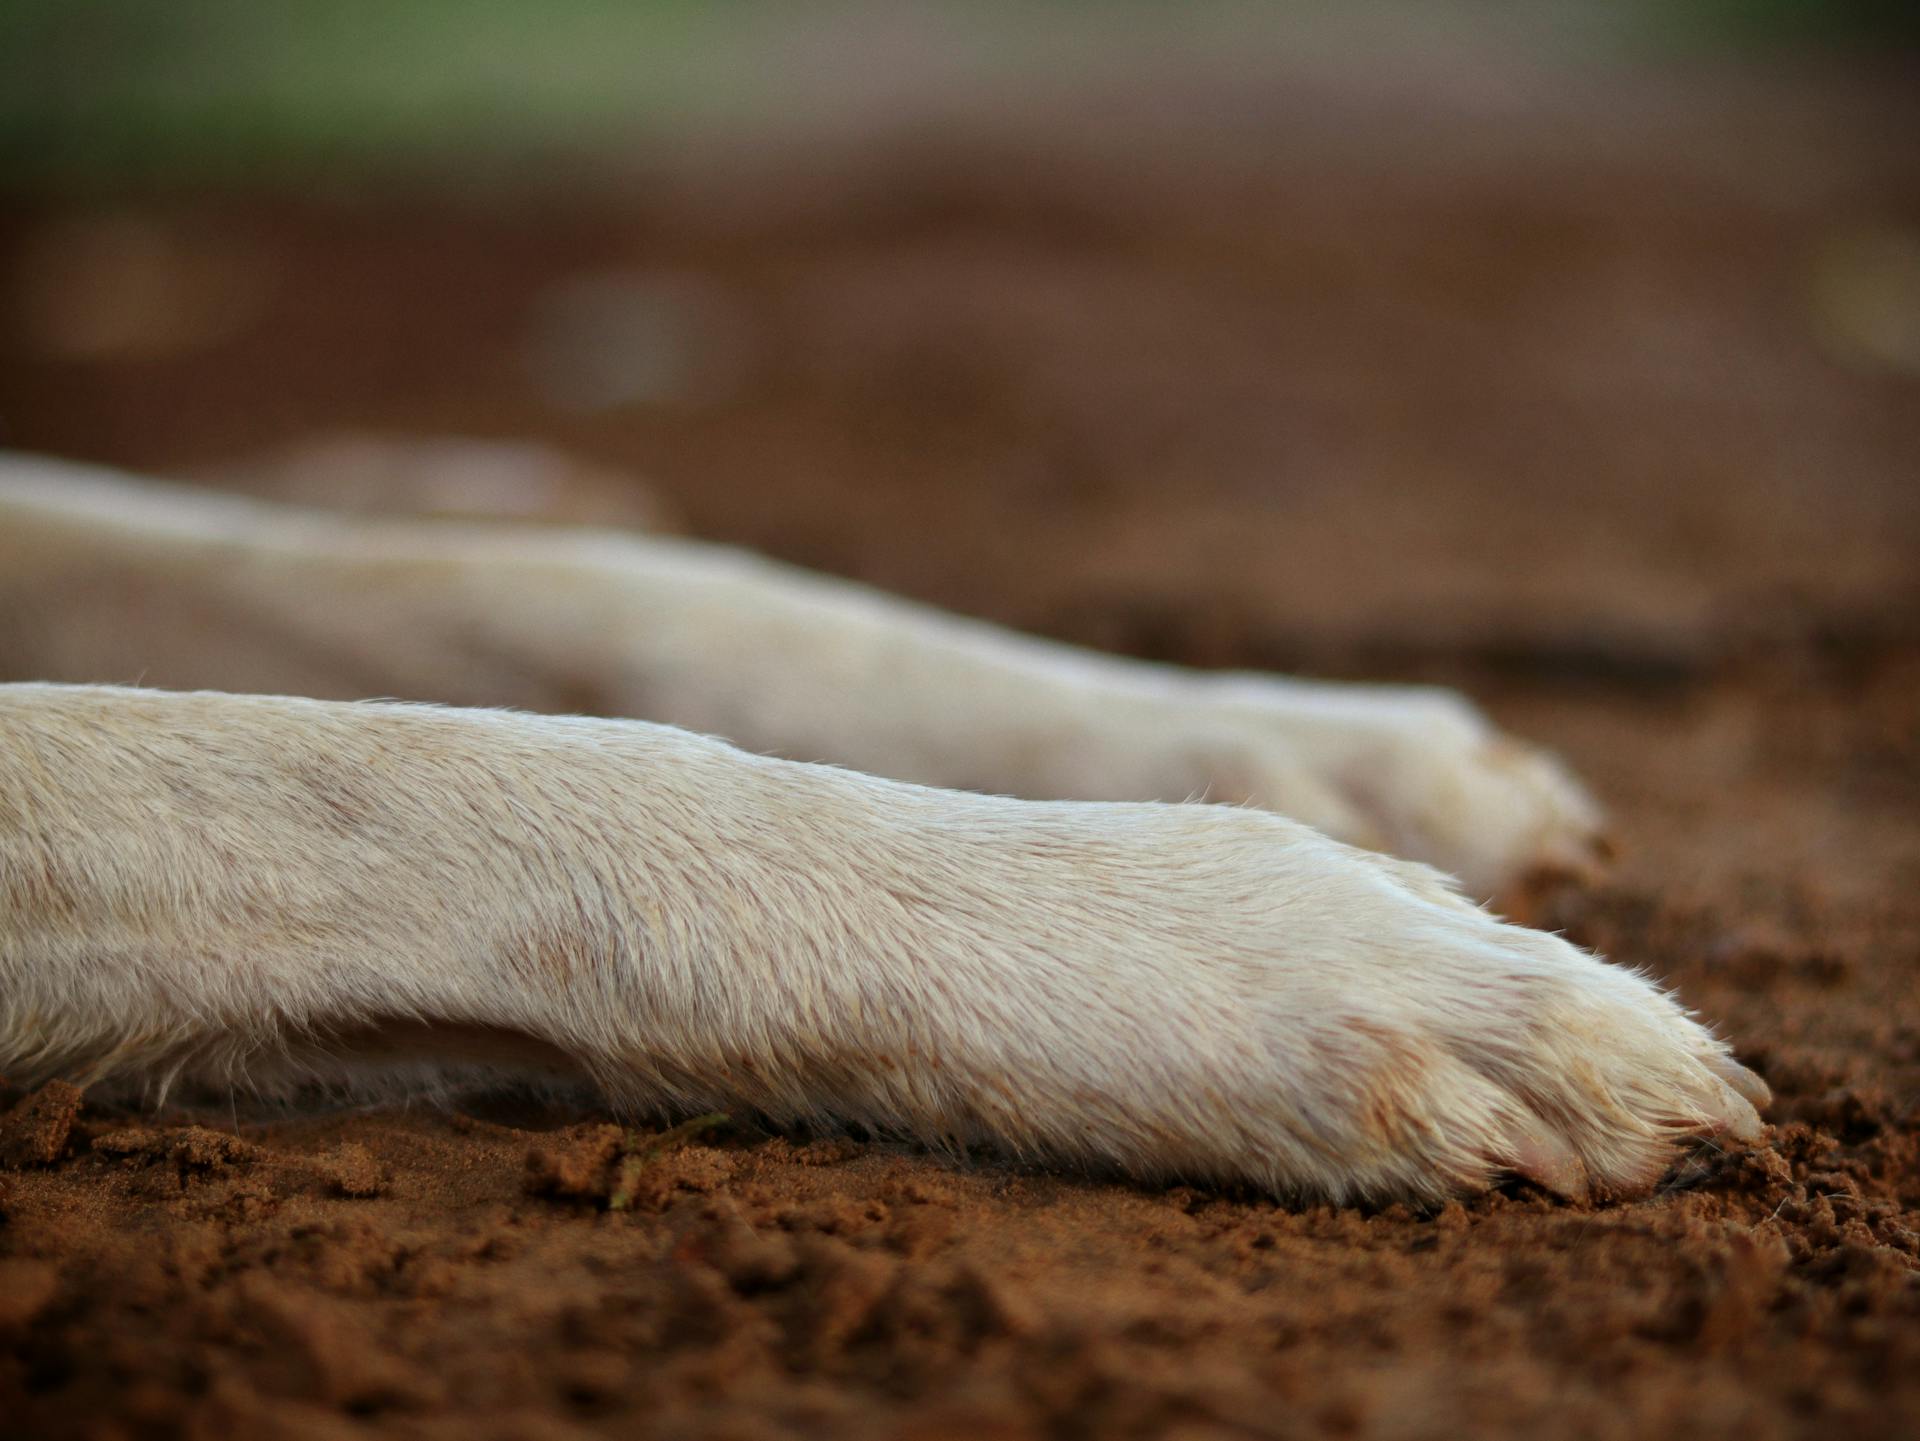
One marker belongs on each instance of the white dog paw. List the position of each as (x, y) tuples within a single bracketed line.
[(1413, 772), (1209, 993), (1432, 1048)]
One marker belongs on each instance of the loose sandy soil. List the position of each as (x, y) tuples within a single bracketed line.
[(1571, 400)]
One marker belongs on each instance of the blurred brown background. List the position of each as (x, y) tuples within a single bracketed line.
[(1570, 328), (1569, 353)]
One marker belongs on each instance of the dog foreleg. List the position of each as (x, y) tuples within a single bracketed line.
[(255, 890)]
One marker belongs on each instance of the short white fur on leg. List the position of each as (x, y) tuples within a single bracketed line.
[(103, 578), (242, 889)]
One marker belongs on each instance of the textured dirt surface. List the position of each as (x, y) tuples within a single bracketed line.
[(1566, 400)]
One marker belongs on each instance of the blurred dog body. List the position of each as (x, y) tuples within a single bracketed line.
[(240, 888)]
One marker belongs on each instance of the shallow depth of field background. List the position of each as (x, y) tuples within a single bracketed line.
[(1566, 353)]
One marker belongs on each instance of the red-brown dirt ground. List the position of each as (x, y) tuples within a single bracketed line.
[(1582, 401)]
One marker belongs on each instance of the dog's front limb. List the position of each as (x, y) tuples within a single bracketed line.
[(103, 579), (261, 890)]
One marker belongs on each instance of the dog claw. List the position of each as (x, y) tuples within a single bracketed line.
[(1546, 1160), (1745, 1083)]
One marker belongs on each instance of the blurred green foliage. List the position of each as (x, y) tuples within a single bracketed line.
[(132, 89), (116, 92), (1821, 21)]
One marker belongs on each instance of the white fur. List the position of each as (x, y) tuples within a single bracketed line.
[(265, 890), (105, 579)]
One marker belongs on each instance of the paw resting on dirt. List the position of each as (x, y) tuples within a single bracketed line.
[(1351, 1028), (1511, 1046), (1445, 1047)]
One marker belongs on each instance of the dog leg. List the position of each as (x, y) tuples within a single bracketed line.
[(248, 889), (103, 579)]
